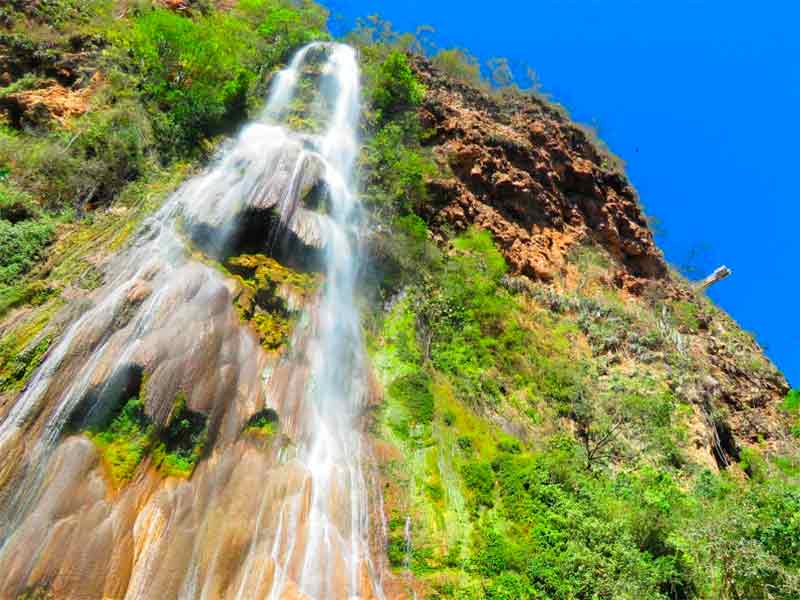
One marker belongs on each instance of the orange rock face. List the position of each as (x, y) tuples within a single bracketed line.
[(52, 102), (524, 172)]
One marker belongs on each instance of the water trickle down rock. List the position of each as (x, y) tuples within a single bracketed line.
[(253, 520)]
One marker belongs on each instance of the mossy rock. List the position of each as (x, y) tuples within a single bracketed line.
[(124, 440), (264, 423), (263, 272), (128, 435), (260, 302), (182, 442)]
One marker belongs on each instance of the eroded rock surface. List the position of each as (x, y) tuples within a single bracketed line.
[(534, 179)]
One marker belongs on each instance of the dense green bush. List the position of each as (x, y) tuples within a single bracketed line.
[(396, 88), (286, 25), (396, 166), (197, 75), (194, 73), (414, 391), (398, 170), (21, 246), (15, 204)]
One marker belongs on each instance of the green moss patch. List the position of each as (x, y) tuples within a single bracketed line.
[(181, 444), (264, 423), (24, 348), (262, 301), (124, 440), (128, 435)]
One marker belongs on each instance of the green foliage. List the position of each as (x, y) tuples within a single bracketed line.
[(397, 167), (197, 76), (111, 147), (791, 406), (124, 440), (540, 524), (15, 204), (743, 537), (287, 25), (464, 318), (182, 443), (479, 481), (396, 88), (194, 73), (398, 171), (791, 403), (21, 246), (57, 14), (414, 392), (460, 65)]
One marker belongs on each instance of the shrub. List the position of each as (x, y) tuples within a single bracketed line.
[(479, 480), (508, 586), (21, 245), (398, 171), (414, 391), (287, 25), (460, 65), (15, 204), (194, 74), (396, 88), (791, 403)]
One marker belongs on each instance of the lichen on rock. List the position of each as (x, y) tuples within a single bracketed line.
[(270, 296)]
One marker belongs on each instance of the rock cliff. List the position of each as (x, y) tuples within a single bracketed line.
[(524, 171), (517, 166)]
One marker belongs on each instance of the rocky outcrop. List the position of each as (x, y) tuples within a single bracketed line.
[(519, 168), (523, 171), (740, 397), (50, 102)]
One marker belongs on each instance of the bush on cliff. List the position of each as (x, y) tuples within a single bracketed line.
[(194, 73), (21, 245), (197, 75), (396, 88)]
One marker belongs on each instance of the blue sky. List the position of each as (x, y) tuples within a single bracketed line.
[(698, 96)]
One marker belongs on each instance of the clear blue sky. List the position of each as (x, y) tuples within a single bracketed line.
[(698, 96)]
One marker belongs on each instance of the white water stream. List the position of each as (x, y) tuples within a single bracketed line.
[(320, 546)]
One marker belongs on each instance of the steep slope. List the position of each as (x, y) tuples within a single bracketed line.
[(564, 415), (532, 178), (526, 173)]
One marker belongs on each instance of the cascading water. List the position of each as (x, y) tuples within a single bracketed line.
[(288, 523)]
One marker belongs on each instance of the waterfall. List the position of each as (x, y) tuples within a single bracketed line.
[(303, 532)]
